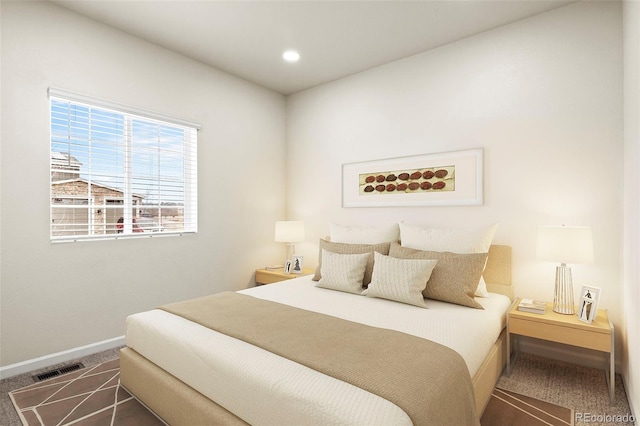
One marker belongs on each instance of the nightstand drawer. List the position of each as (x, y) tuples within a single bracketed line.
[(561, 334)]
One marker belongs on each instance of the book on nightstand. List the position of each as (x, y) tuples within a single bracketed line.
[(532, 306)]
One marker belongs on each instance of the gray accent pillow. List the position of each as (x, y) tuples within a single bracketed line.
[(344, 248), (455, 277)]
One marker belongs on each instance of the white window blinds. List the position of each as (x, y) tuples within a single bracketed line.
[(119, 172)]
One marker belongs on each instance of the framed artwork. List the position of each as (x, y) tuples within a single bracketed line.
[(296, 264), (588, 303), (442, 179), (287, 267)]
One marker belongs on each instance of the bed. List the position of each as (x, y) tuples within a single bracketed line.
[(189, 374)]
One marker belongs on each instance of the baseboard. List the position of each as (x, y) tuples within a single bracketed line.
[(59, 357), (630, 399), (565, 353)]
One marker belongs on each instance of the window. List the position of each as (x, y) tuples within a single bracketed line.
[(118, 172)]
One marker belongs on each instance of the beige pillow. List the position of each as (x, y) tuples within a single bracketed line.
[(343, 248), (455, 240), (455, 277), (400, 280), (343, 272)]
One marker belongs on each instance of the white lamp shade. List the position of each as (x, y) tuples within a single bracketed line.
[(565, 244), (291, 231)]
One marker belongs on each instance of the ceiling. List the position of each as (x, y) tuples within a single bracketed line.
[(334, 38)]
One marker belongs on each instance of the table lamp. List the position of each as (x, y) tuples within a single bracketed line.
[(290, 232), (564, 244)]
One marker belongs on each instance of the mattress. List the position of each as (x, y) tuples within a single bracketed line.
[(262, 388)]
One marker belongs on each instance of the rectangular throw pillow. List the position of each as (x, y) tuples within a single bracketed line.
[(455, 240), (343, 272), (342, 248), (400, 280), (363, 234), (455, 277)]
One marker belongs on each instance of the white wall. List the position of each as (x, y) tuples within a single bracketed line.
[(631, 284), (542, 96), (61, 296)]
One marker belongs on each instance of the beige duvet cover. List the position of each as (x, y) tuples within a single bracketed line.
[(430, 382)]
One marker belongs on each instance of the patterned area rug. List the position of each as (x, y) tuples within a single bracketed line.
[(507, 408), (583, 389), (91, 396)]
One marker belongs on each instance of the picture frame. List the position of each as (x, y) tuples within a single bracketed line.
[(588, 303), (297, 264), (445, 179), (287, 267)]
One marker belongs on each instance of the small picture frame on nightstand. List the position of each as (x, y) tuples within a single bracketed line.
[(287, 267), (588, 303), (296, 266)]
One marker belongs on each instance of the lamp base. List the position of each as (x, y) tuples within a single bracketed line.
[(291, 251), (563, 295)]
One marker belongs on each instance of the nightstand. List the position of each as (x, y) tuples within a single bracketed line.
[(270, 276), (567, 329)]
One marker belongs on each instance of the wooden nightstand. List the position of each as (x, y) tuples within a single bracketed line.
[(567, 329), (270, 276)]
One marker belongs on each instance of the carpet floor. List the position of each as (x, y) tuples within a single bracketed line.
[(93, 396), (552, 383), (582, 389)]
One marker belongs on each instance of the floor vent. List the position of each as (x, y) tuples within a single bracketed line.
[(57, 372)]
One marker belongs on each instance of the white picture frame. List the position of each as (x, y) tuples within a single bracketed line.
[(449, 179), (287, 267), (297, 264), (588, 303)]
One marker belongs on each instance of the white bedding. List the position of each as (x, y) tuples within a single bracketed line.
[(262, 388)]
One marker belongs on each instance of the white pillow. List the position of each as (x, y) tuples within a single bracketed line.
[(343, 272), (455, 240), (363, 234), (401, 280), (481, 290)]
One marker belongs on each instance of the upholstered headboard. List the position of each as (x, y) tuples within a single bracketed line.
[(497, 273)]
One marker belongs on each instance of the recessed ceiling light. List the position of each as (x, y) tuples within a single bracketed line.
[(291, 56)]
